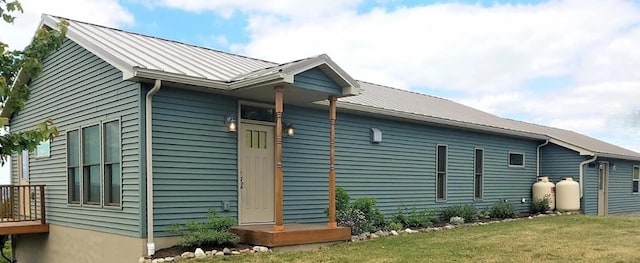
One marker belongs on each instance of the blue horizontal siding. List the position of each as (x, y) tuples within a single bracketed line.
[(78, 88), (621, 197), (315, 79), (398, 171), (194, 157)]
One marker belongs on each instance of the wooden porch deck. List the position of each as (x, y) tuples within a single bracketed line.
[(22, 210), (293, 234)]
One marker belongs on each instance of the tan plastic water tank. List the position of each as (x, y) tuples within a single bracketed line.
[(568, 195), (545, 188)]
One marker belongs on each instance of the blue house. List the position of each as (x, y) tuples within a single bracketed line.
[(156, 132)]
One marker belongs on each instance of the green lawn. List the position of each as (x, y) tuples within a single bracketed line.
[(548, 239)]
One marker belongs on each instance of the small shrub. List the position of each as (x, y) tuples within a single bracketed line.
[(540, 205), (392, 225), (213, 232), (342, 199), (502, 209), (368, 206), (468, 212), (414, 218), (354, 219)]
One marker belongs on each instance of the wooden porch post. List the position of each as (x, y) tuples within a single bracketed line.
[(278, 173), (332, 161)]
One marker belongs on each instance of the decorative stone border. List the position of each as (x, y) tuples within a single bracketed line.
[(199, 253)]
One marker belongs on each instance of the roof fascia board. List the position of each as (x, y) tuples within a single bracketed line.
[(183, 79), (113, 60), (352, 87), (580, 150), (618, 156), (446, 122), (276, 77)]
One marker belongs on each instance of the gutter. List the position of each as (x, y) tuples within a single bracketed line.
[(538, 158), (151, 246), (582, 172)]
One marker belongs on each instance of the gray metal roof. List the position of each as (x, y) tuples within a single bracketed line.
[(140, 56), (413, 105)]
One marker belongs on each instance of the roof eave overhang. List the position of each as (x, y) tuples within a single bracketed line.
[(439, 121), (141, 73), (618, 156), (580, 150), (271, 78)]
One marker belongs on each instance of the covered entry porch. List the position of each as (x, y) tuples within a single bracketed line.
[(260, 153)]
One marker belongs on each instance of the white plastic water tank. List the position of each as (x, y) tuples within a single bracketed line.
[(545, 188), (568, 195)]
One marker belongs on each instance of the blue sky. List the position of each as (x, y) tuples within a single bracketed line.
[(571, 64)]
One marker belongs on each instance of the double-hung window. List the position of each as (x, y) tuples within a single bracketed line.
[(93, 165), (636, 179), (441, 173), (478, 174)]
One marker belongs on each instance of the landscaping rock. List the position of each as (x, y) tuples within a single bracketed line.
[(530, 217), (160, 260), (260, 249), (235, 253), (482, 223), (199, 253), (394, 233), (374, 236), (219, 253), (154, 261), (188, 255), (409, 231), (456, 220), (177, 258), (355, 238), (226, 251), (168, 259), (363, 236), (246, 250), (142, 260), (449, 226)]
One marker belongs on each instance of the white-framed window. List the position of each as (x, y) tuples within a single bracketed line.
[(43, 149), (441, 173), (636, 180), (94, 164), (478, 174), (516, 159)]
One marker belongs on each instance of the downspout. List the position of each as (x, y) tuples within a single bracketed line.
[(151, 246), (538, 158), (582, 172)]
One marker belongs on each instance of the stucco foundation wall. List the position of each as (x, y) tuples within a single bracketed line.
[(66, 244)]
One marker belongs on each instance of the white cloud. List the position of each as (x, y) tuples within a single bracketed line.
[(484, 55), (103, 12)]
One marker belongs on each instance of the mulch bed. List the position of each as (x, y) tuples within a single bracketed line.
[(178, 250)]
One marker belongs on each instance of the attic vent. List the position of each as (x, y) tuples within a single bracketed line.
[(376, 135)]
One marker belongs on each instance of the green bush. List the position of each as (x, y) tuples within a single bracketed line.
[(413, 217), (392, 225), (354, 219), (468, 212), (213, 232), (502, 209), (368, 206), (540, 205), (361, 215)]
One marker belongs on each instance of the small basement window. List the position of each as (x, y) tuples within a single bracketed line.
[(516, 159)]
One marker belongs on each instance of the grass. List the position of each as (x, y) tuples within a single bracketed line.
[(548, 239)]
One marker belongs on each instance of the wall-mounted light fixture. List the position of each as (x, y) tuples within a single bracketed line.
[(289, 130), (613, 166), (231, 122)]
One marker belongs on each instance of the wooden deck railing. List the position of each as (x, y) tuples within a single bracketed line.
[(20, 203)]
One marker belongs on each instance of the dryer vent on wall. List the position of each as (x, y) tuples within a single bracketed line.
[(376, 135)]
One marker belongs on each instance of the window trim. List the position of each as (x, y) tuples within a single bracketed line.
[(446, 171), (633, 180), (516, 166), (475, 173), (66, 161), (119, 204), (48, 153), (82, 187), (101, 203)]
